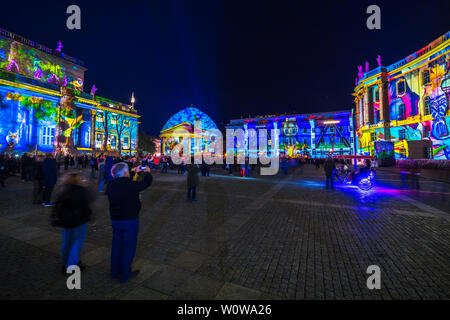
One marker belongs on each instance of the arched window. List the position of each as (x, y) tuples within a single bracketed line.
[(401, 87)]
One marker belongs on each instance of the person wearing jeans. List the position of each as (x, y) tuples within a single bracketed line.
[(73, 242), (124, 206), (72, 209), (125, 236), (191, 193)]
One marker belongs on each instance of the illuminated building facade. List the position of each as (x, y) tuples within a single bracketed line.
[(406, 104), (43, 106), (193, 123), (315, 135)]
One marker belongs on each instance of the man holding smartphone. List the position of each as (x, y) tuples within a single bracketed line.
[(124, 207)]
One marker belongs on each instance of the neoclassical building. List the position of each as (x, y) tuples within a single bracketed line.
[(186, 120), (44, 107), (405, 104)]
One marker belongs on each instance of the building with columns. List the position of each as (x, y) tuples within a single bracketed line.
[(43, 105), (188, 125), (406, 104), (315, 135)]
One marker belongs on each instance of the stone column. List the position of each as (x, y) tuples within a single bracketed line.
[(92, 135)]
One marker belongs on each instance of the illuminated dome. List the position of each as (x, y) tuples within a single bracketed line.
[(190, 115)]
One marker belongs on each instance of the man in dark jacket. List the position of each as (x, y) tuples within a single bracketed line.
[(50, 176), (192, 181), (38, 177), (329, 168), (124, 207)]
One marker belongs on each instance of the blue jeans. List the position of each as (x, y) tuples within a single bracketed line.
[(330, 180), (191, 190), (73, 241), (125, 236), (100, 185)]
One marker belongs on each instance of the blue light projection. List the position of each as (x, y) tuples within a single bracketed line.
[(190, 115)]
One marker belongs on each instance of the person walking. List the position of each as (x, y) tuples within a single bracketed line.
[(38, 180), (73, 212), (415, 174), (93, 164), (192, 181), (101, 174), (3, 170), (124, 206), (66, 162), (329, 168), (108, 166), (50, 176)]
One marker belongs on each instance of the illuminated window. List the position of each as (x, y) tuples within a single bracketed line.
[(126, 143), (425, 77), (426, 105), (376, 95), (126, 123), (401, 87), (403, 152), (98, 140), (113, 141), (113, 120), (100, 118), (48, 135)]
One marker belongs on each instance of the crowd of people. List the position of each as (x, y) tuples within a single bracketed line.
[(125, 177)]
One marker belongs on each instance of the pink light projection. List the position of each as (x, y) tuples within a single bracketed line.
[(53, 79), (38, 74), (11, 64), (60, 46), (93, 90), (379, 60), (360, 72)]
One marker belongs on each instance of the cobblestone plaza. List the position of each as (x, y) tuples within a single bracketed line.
[(274, 237)]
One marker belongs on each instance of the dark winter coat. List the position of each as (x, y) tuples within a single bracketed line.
[(72, 206), (192, 179), (38, 171), (108, 166), (329, 166), (50, 171), (123, 195)]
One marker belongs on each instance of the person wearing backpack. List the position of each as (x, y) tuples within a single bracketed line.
[(72, 212)]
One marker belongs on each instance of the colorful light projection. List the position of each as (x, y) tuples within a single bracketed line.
[(315, 135), (416, 102), (27, 61), (185, 119)]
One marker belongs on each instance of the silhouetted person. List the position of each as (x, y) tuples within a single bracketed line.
[(50, 176), (329, 168), (38, 180), (192, 181)]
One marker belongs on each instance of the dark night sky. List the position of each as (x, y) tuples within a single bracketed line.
[(230, 58)]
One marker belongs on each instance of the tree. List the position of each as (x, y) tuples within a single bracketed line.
[(146, 142), (120, 127)]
